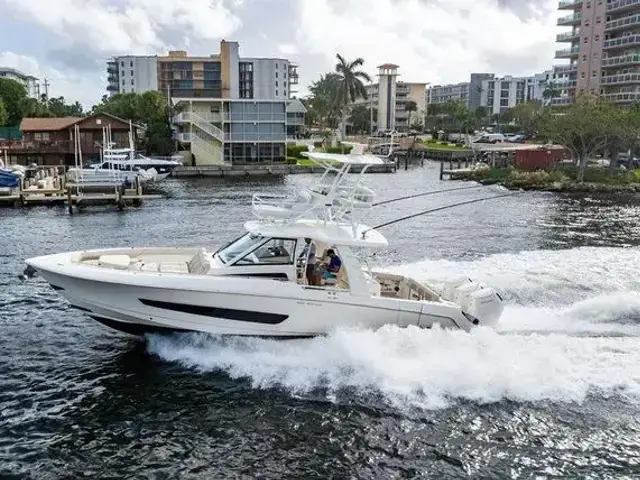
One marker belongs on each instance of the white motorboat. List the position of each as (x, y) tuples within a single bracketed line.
[(127, 159), (257, 285)]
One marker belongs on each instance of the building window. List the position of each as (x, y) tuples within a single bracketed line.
[(132, 73), (276, 93), (276, 74), (276, 83), (122, 64), (131, 63), (597, 38), (598, 19), (586, 40), (276, 66), (582, 75), (594, 74), (132, 81)]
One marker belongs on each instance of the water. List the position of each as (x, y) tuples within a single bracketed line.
[(553, 392)]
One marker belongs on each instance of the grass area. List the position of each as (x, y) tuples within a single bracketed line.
[(444, 146), (562, 178)]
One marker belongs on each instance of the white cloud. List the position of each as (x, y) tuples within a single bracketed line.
[(128, 26), (76, 87), (288, 49), (432, 41)]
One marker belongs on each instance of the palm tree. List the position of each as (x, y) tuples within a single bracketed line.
[(349, 86), (410, 106)]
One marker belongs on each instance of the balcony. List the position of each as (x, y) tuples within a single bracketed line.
[(623, 97), (631, 40), (622, 5), (565, 69), (621, 23), (569, 20), (565, 84), (621, 60), (62, 147), (113, 88), (569, 4), (562, 101), (568, 36), (621, 79), (185, 117), (568, 53)]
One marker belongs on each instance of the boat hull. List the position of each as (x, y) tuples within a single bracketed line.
[(139, 303)]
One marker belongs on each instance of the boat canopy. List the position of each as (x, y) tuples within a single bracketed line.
[(334, 233), (349, 159)]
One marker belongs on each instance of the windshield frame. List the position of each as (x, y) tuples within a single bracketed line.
[(250, 247)]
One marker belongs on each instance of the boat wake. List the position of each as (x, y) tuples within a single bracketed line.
[(571, 329)]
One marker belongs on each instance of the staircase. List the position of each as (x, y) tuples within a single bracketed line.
[(206, 151), (206, 140)]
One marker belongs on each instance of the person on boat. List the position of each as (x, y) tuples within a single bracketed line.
[(335, 263), (310, 251)]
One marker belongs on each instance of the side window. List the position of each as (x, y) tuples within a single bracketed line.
[(276, 251)]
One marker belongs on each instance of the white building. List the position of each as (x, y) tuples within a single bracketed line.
[(439, 94), (389, 97), (501, 94), (222, 75), (29, 82)]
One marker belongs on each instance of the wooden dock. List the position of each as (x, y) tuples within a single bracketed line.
[(78, 196)]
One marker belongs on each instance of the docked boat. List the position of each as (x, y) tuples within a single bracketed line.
[(262, 284), (127, 159)]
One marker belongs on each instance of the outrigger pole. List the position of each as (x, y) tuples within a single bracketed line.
[(433, 210)]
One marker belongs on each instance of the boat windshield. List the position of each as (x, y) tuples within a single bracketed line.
[(242, 244)]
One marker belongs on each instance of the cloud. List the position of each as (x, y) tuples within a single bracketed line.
[(128, 26), (288, 49), (73, 86), (436, 41)]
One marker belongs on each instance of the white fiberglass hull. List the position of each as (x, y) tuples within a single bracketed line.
[(140, 302)]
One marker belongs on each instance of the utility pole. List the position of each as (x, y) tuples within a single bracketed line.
[(46, 88)]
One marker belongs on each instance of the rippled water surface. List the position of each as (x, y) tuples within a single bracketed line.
[(554, 392)]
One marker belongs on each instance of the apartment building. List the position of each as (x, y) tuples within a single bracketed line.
[(222, 75), (389, 98), (457, 92), (232, 109), (603, 40), (501, 94), (29, 82)]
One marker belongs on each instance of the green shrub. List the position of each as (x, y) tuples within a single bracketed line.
[(296, 150), (635, 176), (291, 161), (339, 149)]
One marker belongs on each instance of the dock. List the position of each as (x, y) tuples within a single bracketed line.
[(77, 196), (274, 169)]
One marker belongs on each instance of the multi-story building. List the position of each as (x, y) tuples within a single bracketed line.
[(501, 94), (389, 97), (438, 94), (604, 50), (29, 82), (233, 109), (222, 75)]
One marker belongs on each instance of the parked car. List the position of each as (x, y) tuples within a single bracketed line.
[(491, 138), (514, 138)]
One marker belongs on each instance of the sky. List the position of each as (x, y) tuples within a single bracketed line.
[(436, 41)]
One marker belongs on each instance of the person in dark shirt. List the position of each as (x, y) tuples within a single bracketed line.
[(335, 263)]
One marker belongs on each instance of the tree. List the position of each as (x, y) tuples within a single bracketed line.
[(550, 92), (149, 109), (410, 106), (11, 94), (360, 119), (349, 85), (322, 106), (527, 116), (586, 127), (3, 113)]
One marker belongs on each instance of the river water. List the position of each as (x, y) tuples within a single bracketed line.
[(554, 392)]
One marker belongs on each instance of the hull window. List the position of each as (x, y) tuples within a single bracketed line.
[(214, 312)]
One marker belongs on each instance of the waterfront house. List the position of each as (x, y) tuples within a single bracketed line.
[(49, 141)]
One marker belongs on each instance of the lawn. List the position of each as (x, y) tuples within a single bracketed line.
[(445, 146)]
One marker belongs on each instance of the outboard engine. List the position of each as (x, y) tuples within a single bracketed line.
[(481, 305)]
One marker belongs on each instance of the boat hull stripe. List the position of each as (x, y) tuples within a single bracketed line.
[(214, 312)]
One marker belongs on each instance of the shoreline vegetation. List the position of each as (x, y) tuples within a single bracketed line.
[(560, 179)]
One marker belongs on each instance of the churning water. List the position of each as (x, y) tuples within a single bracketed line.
[(554, 391)]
